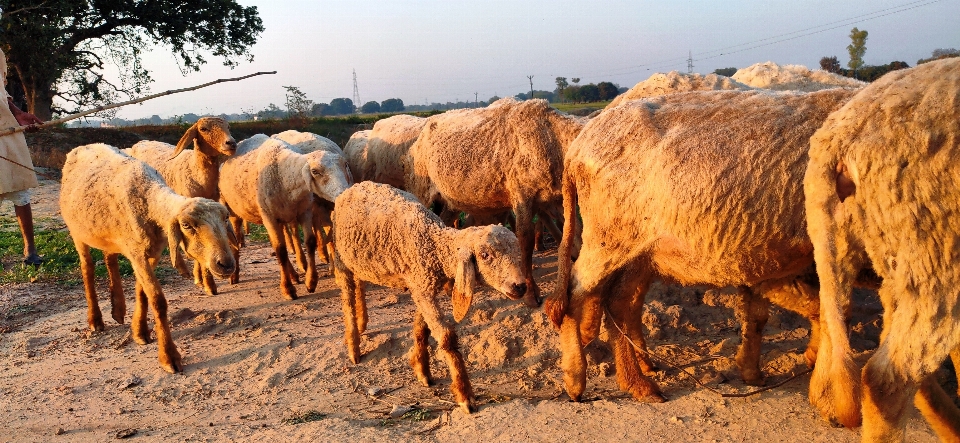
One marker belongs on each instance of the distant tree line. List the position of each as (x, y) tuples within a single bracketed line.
[(867, 73), (577, 93)]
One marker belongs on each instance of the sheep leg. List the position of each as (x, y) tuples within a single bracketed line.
[(938, 409), (310, 240), (321, 220), (629, 375), (138, 325), (360, 305), (237, 222), (169, 357), (590, 321), (118, 303), (633, 319), (288, 240), (87, 268), (292, 237), (524, 230), (538, 235), (955, 359), (801, 298), (419, 356), (351, 332), (753, 313), (235, 277), (287, 273), (204, 278), (448, 347)]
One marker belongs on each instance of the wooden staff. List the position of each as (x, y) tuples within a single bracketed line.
[(117, 105)]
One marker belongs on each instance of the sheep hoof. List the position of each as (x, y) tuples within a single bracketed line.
[(755, 381), (97, 326), (655, 397), (141, 339), (424, 380), (466, 407)]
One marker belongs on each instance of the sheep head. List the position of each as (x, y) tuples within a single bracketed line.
[(490, 253), (203, 230), (327, 174), (210, 135)]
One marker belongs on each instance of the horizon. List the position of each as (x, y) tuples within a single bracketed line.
[(434, 52)]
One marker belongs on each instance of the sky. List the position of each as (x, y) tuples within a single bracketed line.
[(425, 51)]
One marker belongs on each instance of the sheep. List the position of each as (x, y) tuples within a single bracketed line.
[(267, 182), (305, 143), (194, 175), (673, 82), (507, 156), (770, 75), (882, 188), (385, 236), (376, 155), (713, 196), (113, 202)]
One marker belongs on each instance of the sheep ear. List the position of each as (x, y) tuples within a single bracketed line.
[(188, 139), (174, 238), (463, 283)]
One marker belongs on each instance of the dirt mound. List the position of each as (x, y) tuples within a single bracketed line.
[(770, 75)]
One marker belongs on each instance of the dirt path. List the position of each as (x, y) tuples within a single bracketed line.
[(254, 361)]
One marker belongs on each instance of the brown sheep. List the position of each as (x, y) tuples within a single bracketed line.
[(196, 174), (119, 205), (385, 236), (376, 155), (713, 196), (507, 156), (270, 183), (882, 188)]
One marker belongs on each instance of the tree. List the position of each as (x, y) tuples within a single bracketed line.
[(607, 91), (589, 93), (320, 109), (572, 93), (561, 84), (575, 80), (297, 104), (62, 48), (370, 107), (939, 54), (493, 99), (341, 106), (830, 64), (857, 48), (727, 72), (391, 105)]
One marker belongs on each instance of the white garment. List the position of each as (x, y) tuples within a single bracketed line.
[(13, 147)]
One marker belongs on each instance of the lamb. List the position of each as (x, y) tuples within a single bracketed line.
[(713, 196), (113, 202), (674, 82), (770, 75), (269, 183), (385, 236), (882, 188), (305, 143), (376, 155), (507, 156), (194, 175)]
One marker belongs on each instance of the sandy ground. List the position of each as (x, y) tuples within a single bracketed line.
[(254, 361)]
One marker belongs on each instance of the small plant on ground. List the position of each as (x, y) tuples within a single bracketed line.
[(305, 417)]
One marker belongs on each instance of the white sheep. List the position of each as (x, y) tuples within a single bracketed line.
[(195, 173), (770, 75), (305, 143), (507, 156), (376, 155), (269, 183), (119, 205), (883, 187), (674, 82), (698, 188), (385, 236)]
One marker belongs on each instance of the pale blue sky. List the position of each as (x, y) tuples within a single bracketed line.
[(442, 51)]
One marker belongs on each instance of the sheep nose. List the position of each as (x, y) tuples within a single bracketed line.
[(231, 144), (520, 289), (226, 265)]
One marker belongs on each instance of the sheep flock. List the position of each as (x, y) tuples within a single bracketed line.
[(780, 185)]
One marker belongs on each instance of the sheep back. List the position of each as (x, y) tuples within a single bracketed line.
[(376, 155), (673, 82), (709, 184), (307, 142), (177, 171), (385, 236), (266, 174)]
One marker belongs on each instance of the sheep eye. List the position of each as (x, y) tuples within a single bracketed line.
[(484, 255), (186, 226), (315, 172), (202, 129)]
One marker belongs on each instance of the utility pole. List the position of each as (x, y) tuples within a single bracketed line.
[(356, 93), (476, 102), (530, 77), (690, 63)]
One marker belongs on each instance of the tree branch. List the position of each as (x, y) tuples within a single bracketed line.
[(130, 102)]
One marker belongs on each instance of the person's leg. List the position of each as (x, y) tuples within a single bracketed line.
[(25, 219)]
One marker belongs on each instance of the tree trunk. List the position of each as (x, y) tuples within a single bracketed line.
[(40, 100)]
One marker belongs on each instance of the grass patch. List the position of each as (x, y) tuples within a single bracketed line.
[(258, 233), (305, 417), (61, 263), (568, 107), (417, 414)]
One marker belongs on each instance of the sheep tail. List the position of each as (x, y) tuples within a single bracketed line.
[(835, 383), (556, 304)]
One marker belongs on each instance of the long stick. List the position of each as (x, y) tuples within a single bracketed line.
[(117, 105)]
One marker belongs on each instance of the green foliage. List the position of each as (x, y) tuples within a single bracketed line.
[(297, 104), (417, 414), (607, 91), (857, 48), (304, 417), (370, 107), (727, 72), (342, 106), (940, 54), (391, 105), (61, 265), (63, 48), (831, 64)]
